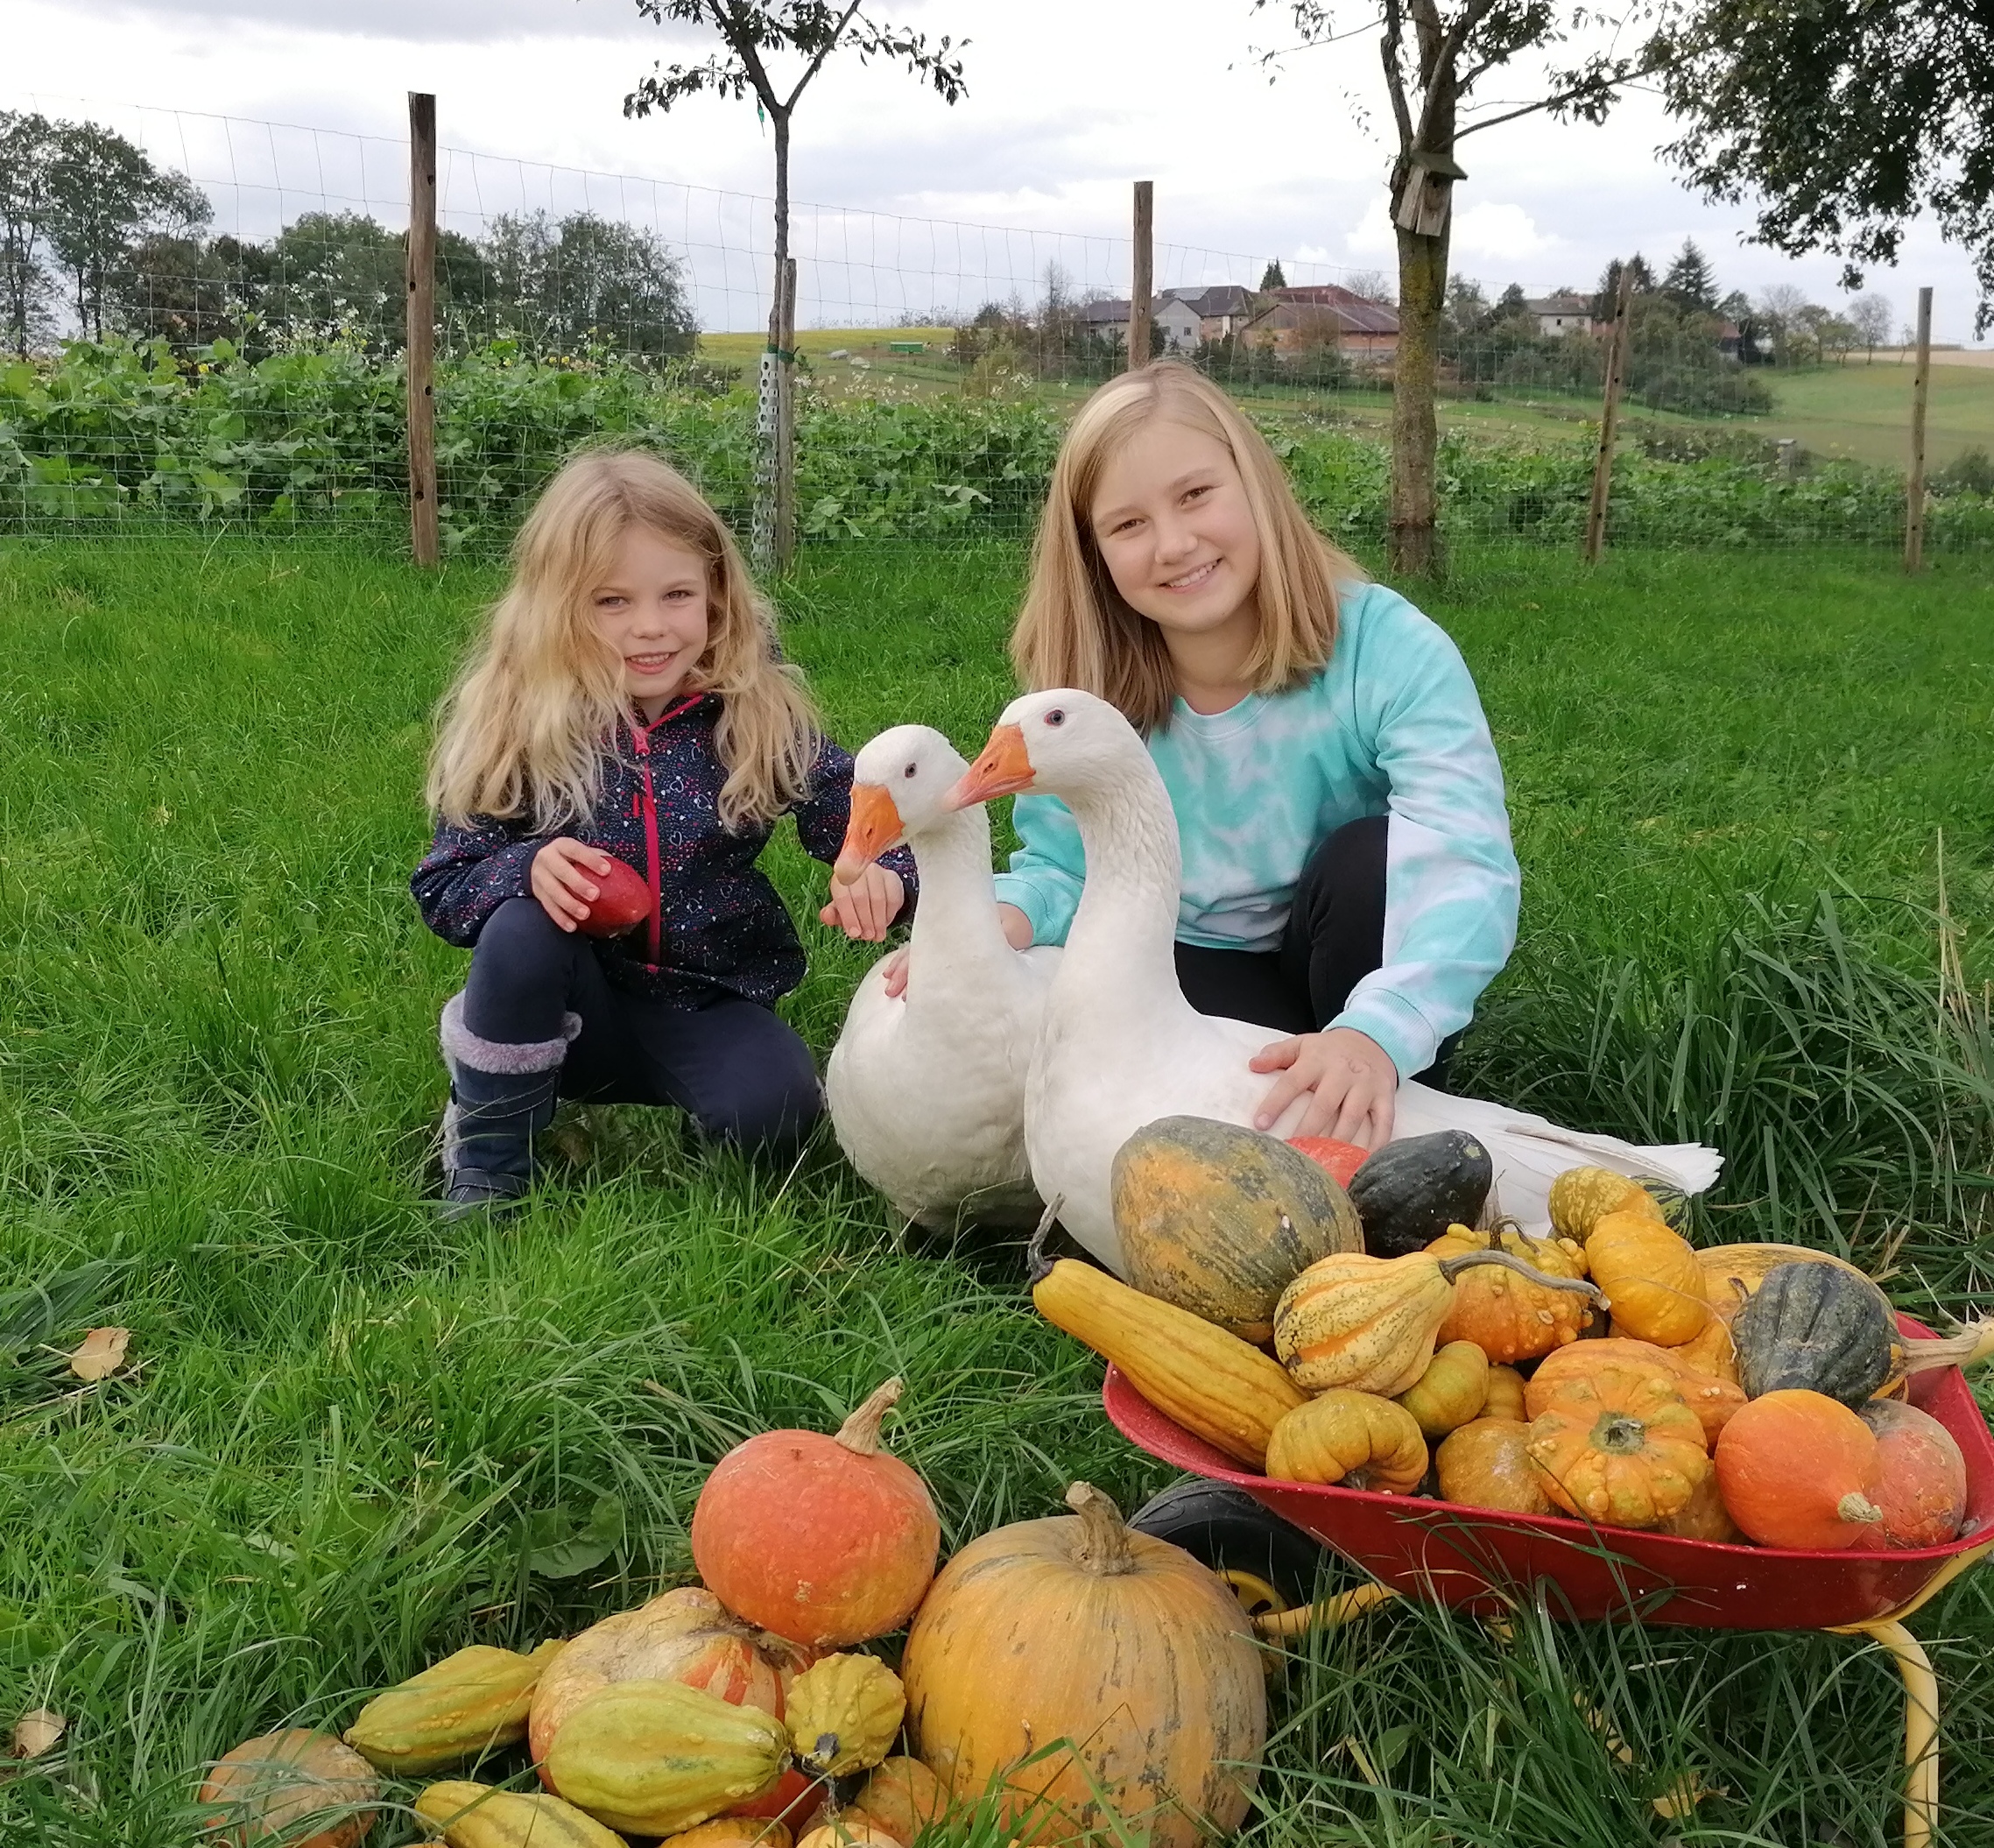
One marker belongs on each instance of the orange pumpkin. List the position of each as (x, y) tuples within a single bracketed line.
[(1504, 1398), (1507, 1317), (730, 1831), (1921, 1485), (1798, 1469), (763, 1526), (1486, 1464), (263, 1791), (1651, 1278), (790, 1800), (1338, 1159), (686, 1635), (1711, 1351), (1355, 1438), (1070, 1664), (1711, 1399), (1618, 1446)]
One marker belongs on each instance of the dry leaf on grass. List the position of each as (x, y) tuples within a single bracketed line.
[(37, 1732), (102, 1353)]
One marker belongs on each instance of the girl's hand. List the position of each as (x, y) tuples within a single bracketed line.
[(1017, 929), (561, 881), (866, 907), (1352, 1076)]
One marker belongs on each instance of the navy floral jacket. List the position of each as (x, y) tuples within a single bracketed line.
[(717, 926)]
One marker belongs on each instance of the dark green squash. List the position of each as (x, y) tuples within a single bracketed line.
[(1670, 1202), (1410, 1192), (1815, 1327), (1220, 1220)]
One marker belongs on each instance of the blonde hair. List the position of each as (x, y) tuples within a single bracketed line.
[(522, 733), (1075, 630)]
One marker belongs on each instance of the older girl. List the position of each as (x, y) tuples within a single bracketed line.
[(1348, 873), (627, 697)]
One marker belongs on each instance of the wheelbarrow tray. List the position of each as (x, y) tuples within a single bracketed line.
[(1478, 1560)]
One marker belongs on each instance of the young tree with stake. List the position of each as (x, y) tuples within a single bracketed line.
[(755, 35), (1435, 54)]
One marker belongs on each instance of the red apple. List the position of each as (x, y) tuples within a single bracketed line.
[(1339, 1160), (624, 898)]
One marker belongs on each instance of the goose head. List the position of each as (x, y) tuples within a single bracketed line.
[(899, 786), (1063, 743)]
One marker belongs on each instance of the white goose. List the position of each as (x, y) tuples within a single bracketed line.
[(926, 1089), (1122, 1047)]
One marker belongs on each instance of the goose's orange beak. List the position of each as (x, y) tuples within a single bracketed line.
[(875, 825), (1003, 769)]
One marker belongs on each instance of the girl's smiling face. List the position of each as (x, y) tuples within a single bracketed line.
[(1171, 517), (653, 610)]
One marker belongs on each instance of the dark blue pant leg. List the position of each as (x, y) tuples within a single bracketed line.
[(739, 1070)]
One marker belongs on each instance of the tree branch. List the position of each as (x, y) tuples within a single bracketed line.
[(1389, 50), (823, 51)]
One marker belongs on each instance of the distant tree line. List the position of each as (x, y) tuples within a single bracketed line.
[(96, 239)]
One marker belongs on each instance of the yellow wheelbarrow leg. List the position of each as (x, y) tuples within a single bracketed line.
[(1920, 1696), (1326, 1614)]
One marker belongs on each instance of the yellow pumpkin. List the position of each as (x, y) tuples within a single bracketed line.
[(1072, 1664), (1581, 1196), (1651, 1278), (843, 1713), (1354, 1438), (1711, 1399), (1618, 1446), (1369, 1323), (1731, 1272), (1506, 1398), (1506, 1316), (730, 1831), (1703, 1516), (1486, 1464), (1711, 1351), (1452, 1391)]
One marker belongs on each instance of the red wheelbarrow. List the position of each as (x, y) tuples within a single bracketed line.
[(1478, 1560)]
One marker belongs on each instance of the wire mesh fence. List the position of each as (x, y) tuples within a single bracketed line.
[(204, 318)]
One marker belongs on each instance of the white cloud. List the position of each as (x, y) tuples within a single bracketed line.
[(1505, 233), (1374, 235)]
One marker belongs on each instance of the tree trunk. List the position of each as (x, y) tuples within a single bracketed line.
[(784, 520), (1413, 546)]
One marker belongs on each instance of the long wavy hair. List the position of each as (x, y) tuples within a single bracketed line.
[(1076, 629), (522, 733)]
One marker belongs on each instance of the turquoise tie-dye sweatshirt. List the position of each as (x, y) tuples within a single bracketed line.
[(1392, 725)]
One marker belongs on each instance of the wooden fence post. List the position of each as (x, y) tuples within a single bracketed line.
[(1609, 419), (421, 344), (1142, 281), (1915, 488)]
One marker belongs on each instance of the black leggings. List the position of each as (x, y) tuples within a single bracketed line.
[(1335, 938), (739, 1070)]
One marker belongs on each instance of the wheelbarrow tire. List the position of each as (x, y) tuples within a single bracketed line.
[(1226, 1529)]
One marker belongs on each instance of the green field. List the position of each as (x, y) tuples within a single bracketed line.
[(356, 1439)]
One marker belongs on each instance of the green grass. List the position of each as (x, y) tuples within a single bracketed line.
[(357, 1439)]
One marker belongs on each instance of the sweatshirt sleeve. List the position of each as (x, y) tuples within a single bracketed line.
[(1048, 869), (825, 813), (469, 872), (1451, 882)]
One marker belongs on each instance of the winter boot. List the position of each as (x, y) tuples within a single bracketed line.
[(502, 1096)]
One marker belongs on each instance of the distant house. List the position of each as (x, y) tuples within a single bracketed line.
[(1109, 317), (1561, 314), (1191, 315), (1326, 315), (1731, 340), (1181, 323)]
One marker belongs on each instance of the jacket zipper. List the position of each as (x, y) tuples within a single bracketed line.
[(640, 734)]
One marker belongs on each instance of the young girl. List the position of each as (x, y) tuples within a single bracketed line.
[(627, 698), (1348, 874)]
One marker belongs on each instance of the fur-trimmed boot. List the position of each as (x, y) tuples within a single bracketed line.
[(502, 1096)]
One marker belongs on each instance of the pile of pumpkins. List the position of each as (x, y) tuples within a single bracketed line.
[(1058, 1668), (1609, 1371)]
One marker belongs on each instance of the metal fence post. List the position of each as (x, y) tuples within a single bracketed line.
[(420, 352)]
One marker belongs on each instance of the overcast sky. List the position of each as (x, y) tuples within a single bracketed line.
[(1068, 101)]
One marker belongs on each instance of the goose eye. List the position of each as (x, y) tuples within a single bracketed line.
[(1056, 717), (909, 770)]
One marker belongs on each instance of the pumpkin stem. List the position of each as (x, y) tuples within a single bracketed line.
[(1037, 1265), (1452, 1267), (860, 1433), (1104, 1547), (1975, 1342), (1856, 1506)]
